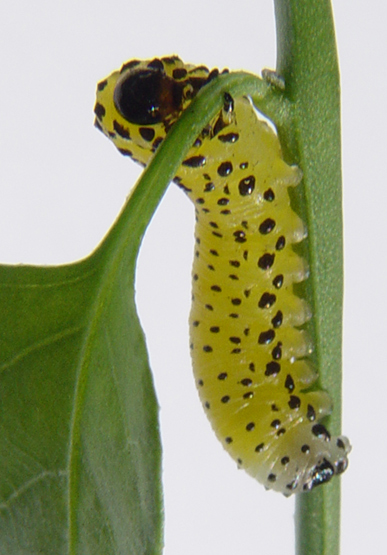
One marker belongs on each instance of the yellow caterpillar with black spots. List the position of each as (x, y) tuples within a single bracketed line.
[(250, 356)]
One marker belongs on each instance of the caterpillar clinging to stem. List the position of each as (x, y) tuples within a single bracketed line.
[(249, 351)]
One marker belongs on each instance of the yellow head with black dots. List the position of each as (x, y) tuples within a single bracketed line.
[(137, 105)]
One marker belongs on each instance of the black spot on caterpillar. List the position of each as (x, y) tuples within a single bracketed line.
[(250, 357)]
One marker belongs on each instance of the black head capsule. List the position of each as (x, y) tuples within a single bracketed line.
[(147, 96)]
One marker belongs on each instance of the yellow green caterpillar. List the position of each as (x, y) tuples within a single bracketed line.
[(249, 352)]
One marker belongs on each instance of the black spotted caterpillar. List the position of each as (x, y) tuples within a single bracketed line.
[(250, 357)]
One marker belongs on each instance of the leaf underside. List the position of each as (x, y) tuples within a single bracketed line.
[(79, 449)]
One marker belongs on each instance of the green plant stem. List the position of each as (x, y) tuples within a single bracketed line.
[(307, 60)]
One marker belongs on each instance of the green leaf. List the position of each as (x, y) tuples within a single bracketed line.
[(79, 442), (79, 448)]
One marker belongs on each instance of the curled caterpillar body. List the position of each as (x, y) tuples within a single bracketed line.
[(249, 352)]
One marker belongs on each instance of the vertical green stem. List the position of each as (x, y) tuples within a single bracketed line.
[(307, 60)]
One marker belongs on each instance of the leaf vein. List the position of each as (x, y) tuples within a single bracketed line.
[(39, 345), (30, 483)]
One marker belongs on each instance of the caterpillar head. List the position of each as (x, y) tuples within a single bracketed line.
[(137, 105)]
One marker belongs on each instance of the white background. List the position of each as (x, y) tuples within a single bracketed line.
[(62, 185)]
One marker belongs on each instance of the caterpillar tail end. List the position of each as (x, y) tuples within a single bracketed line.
[(331, 465)]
